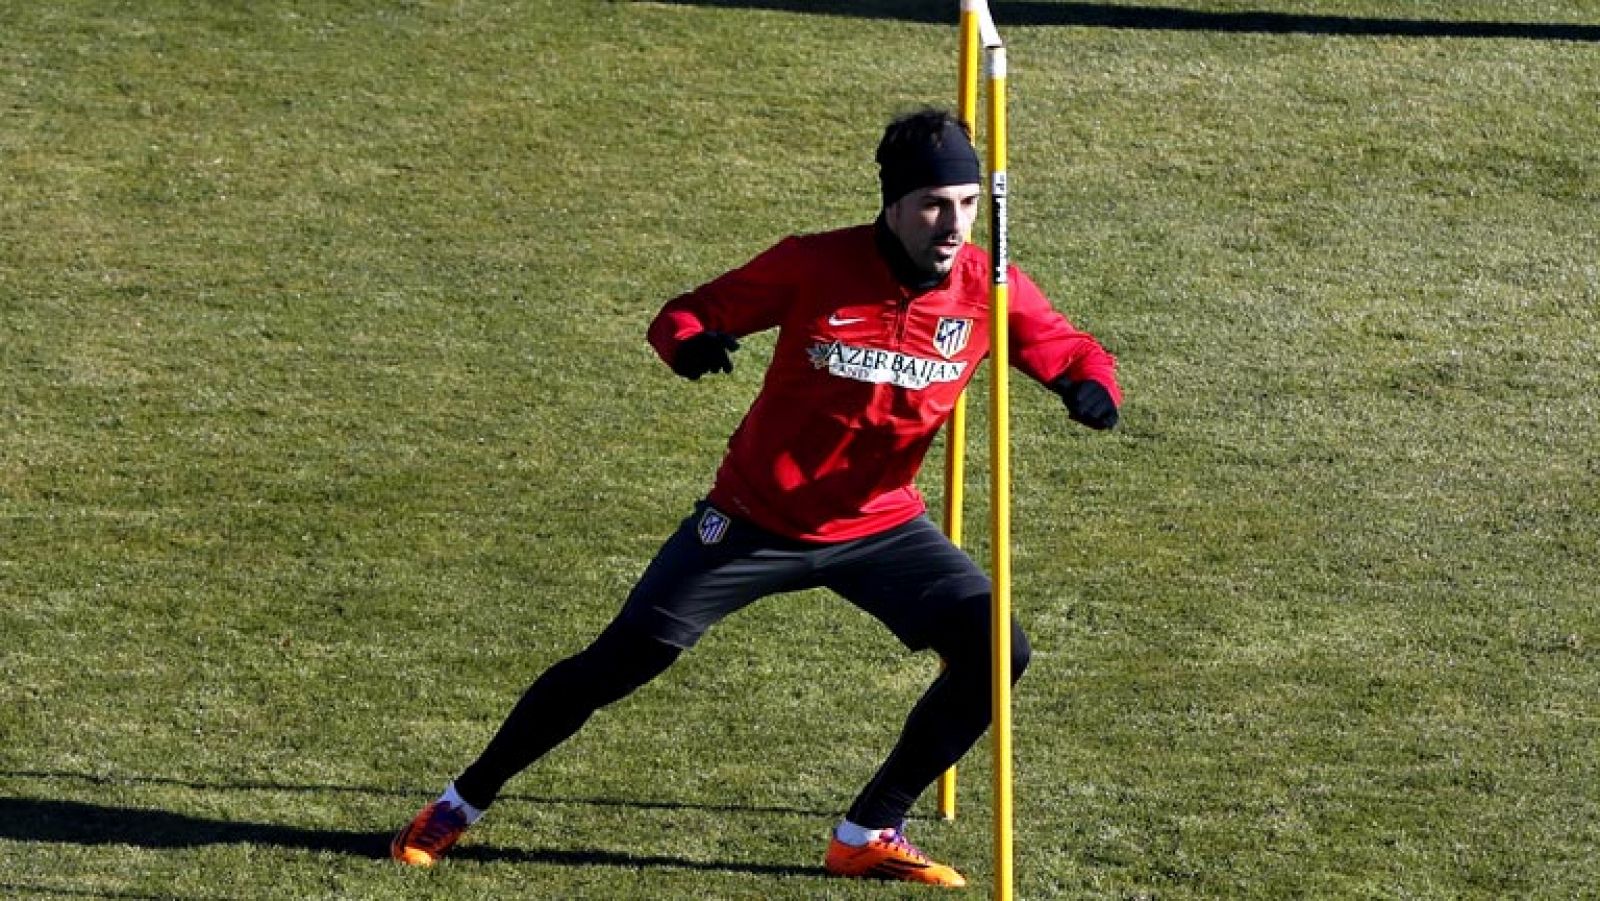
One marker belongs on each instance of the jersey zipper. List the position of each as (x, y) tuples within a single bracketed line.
[(902, 309)]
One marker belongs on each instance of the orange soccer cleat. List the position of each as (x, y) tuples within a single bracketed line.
[(425, 839), (890, 856)]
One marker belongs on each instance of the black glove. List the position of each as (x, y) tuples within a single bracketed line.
[(703, 353), (1087, 402)]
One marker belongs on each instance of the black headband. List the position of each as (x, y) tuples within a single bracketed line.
[(943, 159)]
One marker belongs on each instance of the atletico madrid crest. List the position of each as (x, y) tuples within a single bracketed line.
[(713, 526), (950, 335)]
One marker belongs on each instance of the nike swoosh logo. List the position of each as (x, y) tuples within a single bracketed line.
[(834, 319)]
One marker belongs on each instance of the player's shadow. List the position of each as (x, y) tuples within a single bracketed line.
[(1165, 18), (80, 823), (410, 796)]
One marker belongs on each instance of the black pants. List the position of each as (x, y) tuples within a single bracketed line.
[(911, 578)]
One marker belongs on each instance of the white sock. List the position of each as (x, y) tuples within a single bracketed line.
[(855, 836), (454, 800)]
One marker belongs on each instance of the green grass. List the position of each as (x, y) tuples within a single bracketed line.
[(326, 422)]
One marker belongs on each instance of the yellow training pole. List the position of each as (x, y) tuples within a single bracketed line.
[(955, 448), (1000, 474), (967, 89)]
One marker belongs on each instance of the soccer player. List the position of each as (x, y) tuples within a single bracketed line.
[(880, 327)]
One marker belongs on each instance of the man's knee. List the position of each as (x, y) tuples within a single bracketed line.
[(962, 637), (1021, 651), (621, 660)]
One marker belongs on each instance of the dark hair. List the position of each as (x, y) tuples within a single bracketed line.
[(922, 149), (913, 132)]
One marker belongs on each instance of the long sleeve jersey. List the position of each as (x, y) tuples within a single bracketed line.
[(864, 373)]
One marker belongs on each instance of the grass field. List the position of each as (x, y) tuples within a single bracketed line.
[(326, 422)]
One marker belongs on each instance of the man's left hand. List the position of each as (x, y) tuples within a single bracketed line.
[(702, 353), (1087, 402)]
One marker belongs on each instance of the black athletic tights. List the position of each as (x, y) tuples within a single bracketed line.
[(951, 716)]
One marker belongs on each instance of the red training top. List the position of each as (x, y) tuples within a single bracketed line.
[(865, 372)]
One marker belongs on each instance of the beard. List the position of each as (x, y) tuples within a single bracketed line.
[(939, 256)]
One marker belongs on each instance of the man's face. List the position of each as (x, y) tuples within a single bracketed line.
[(933, 223)]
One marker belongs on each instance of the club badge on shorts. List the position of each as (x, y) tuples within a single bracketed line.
[(950, 335), (713, 526)]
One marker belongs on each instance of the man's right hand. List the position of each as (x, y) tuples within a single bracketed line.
[(703, 353)]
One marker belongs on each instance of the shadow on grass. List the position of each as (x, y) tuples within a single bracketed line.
[(79, 823), (26, 889), (416, 796), (1164, 18)]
